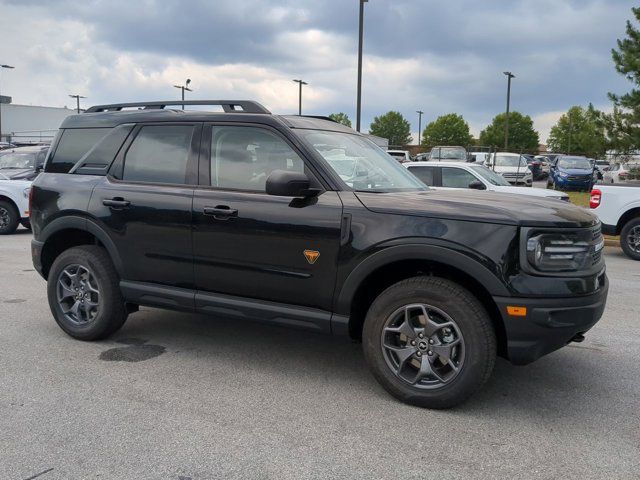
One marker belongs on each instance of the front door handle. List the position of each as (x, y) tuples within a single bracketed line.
[(221, 212), (116, 203)]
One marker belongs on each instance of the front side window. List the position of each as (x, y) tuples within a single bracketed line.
[(425, 174), (73, 145), (243, 157), (456, 178), (159, 154), (361, 164)]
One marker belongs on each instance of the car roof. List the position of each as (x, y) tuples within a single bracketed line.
[(441, 164)]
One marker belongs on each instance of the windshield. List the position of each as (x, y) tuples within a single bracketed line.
[(448, 153), (510, 161), (575, 162), (361, 164), (492, 177), (17, 160)]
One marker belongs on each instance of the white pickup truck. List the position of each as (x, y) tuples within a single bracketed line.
[(618, 207), (14, 204)]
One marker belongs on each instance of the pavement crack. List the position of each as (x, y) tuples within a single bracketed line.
[(39, 474)]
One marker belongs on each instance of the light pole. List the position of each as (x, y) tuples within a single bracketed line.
[(419, 112), (1, 67), (183, 88), (300, 83), (360, 38), (569, 136), (506, 123), (77, 97)]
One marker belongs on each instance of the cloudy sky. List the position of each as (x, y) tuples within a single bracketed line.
[(435, 56)]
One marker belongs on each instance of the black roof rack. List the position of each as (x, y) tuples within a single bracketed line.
[(229, 106)]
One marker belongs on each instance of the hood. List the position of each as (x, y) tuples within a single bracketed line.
[(19, 173), (533, 192), (575, 171), (480, 206)]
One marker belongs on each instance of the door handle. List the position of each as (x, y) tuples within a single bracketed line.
[(116, 203), (221, 212)]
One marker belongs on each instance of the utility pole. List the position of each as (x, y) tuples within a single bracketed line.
[(77, 97), (183, 88), (1, 67), (300, 83), (360, 39), (419, 112), (569, 136), (506, 123)]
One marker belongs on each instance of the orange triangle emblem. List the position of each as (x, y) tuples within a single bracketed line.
[(311, 256)]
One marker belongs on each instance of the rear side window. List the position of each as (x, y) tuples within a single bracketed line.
[(159, 154), (73, 145), (425, 174)]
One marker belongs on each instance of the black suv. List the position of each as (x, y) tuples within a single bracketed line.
[(303, 222)]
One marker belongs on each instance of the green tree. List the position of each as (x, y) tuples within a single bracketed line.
[(394, 127), (450, 129), (522, 135), (341, 117), (626, 121), (580, 131)]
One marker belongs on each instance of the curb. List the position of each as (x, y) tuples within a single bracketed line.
[(612, 242)]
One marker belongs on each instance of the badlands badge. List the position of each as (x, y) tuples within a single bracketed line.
[(311, 256)]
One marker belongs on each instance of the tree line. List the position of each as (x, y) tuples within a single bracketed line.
[(580, 131)]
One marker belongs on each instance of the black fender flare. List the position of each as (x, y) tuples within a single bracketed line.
[(88, 225), (417, 251)]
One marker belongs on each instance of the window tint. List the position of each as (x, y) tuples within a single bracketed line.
[(73, 145), (243, 157), (425, 174), (456, 178), (159, 154)]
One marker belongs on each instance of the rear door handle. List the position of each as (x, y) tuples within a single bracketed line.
[(221, 212), (116, 203)]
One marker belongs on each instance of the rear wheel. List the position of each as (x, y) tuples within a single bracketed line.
[(9, 218), (630, 238), (429, 342), (84, 295)]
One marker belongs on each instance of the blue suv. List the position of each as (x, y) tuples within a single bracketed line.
[(571, 173)]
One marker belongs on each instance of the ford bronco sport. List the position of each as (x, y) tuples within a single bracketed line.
[(303, 222)]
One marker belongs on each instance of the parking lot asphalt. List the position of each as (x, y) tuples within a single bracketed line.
[(183, 396)]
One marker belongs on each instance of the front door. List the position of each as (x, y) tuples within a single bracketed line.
[(257, 246)]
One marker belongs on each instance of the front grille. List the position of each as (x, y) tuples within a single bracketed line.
[(596, 257), (598, 240), (579, 178)]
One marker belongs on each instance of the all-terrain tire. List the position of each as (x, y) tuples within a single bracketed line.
[(9, 218), (630, 250)]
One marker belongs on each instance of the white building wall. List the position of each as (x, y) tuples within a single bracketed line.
[(27, 123)]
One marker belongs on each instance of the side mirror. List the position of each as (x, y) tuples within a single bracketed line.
[(285, 183), (477, 185)]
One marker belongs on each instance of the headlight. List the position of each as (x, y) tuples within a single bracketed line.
[(563, 175), (564, 252), (26, 191)]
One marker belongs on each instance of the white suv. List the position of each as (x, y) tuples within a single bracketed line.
[(618, 172), (512, 166), (14, 204), (459, 175)]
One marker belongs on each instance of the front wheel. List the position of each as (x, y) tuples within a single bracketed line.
[(84, 293), (429, 342), (630, 238), (9, 218)]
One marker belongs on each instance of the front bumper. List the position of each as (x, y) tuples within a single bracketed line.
[(573, 184), (550, 323)]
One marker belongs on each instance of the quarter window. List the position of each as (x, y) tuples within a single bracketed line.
[(73, 145), (456, 178), (159, 154), (243, 157)]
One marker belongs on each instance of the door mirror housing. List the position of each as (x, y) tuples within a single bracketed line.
[(285, 183), (477, 185)]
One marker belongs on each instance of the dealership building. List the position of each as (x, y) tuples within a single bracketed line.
[(29, 124)]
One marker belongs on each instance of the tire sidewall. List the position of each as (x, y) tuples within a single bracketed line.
[(623, 238), (14, 218), (468, 317)]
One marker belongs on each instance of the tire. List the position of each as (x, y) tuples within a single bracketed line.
[(443, 300), (630, 230), (9, 218), (104, 311), (26, 223)]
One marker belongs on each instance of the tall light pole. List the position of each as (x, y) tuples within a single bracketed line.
[(419, 112), (506, 123), (360, 39), (300, 83), (1, 67), (77, 97), (569, 136), (183, 88)]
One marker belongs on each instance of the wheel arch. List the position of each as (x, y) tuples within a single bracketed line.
[(626, 217), (10, 200), (71, 231), (397, 263)]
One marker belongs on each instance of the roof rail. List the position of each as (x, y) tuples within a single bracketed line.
[(229, 106)]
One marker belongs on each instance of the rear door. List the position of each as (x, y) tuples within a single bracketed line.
[(258, 246), (145, 203)]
